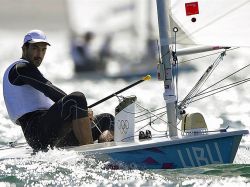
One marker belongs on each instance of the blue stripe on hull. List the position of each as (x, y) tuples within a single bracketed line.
[(192, 154)]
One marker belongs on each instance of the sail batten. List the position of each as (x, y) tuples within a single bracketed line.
[(213, 22)]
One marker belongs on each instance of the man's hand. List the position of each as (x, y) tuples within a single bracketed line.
[(106, 136)]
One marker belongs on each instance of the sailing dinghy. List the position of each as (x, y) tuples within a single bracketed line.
[(180, 22)]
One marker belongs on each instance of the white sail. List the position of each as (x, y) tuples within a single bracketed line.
[(98, 15), (211, 22), (125, 20)]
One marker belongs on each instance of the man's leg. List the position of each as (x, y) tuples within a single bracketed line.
[(106, 136), (82, 130), (76, 105), (67, 115), (103, 131)]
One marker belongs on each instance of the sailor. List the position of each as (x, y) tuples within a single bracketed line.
[(47, 115), (105, 50), (84, 57)]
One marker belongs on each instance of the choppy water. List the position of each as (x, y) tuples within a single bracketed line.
[(67, 168)]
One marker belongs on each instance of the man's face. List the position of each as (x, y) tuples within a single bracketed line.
[(35, 52)]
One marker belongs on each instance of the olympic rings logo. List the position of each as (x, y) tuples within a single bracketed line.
[(123, 126)]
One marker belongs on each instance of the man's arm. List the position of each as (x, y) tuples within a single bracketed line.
[(26, 73)]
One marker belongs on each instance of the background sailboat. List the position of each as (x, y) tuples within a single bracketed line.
[(131, 28), (118, 20)]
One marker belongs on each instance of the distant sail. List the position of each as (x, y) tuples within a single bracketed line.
[(91, 15), (211, 22)]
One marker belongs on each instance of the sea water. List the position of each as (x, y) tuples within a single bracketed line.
[(68, 168)]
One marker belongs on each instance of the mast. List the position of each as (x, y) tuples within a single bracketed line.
[(169, 93)]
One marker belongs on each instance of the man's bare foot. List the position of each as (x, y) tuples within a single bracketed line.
[(106, 136)]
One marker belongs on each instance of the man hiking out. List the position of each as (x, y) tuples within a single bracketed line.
[(48, 116)]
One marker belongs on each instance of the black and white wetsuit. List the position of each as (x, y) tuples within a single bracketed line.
[(44, 111)]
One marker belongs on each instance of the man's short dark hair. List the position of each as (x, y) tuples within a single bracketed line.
[(26, 44)]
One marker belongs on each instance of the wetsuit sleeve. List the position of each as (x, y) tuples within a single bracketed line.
[(26, 73)]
